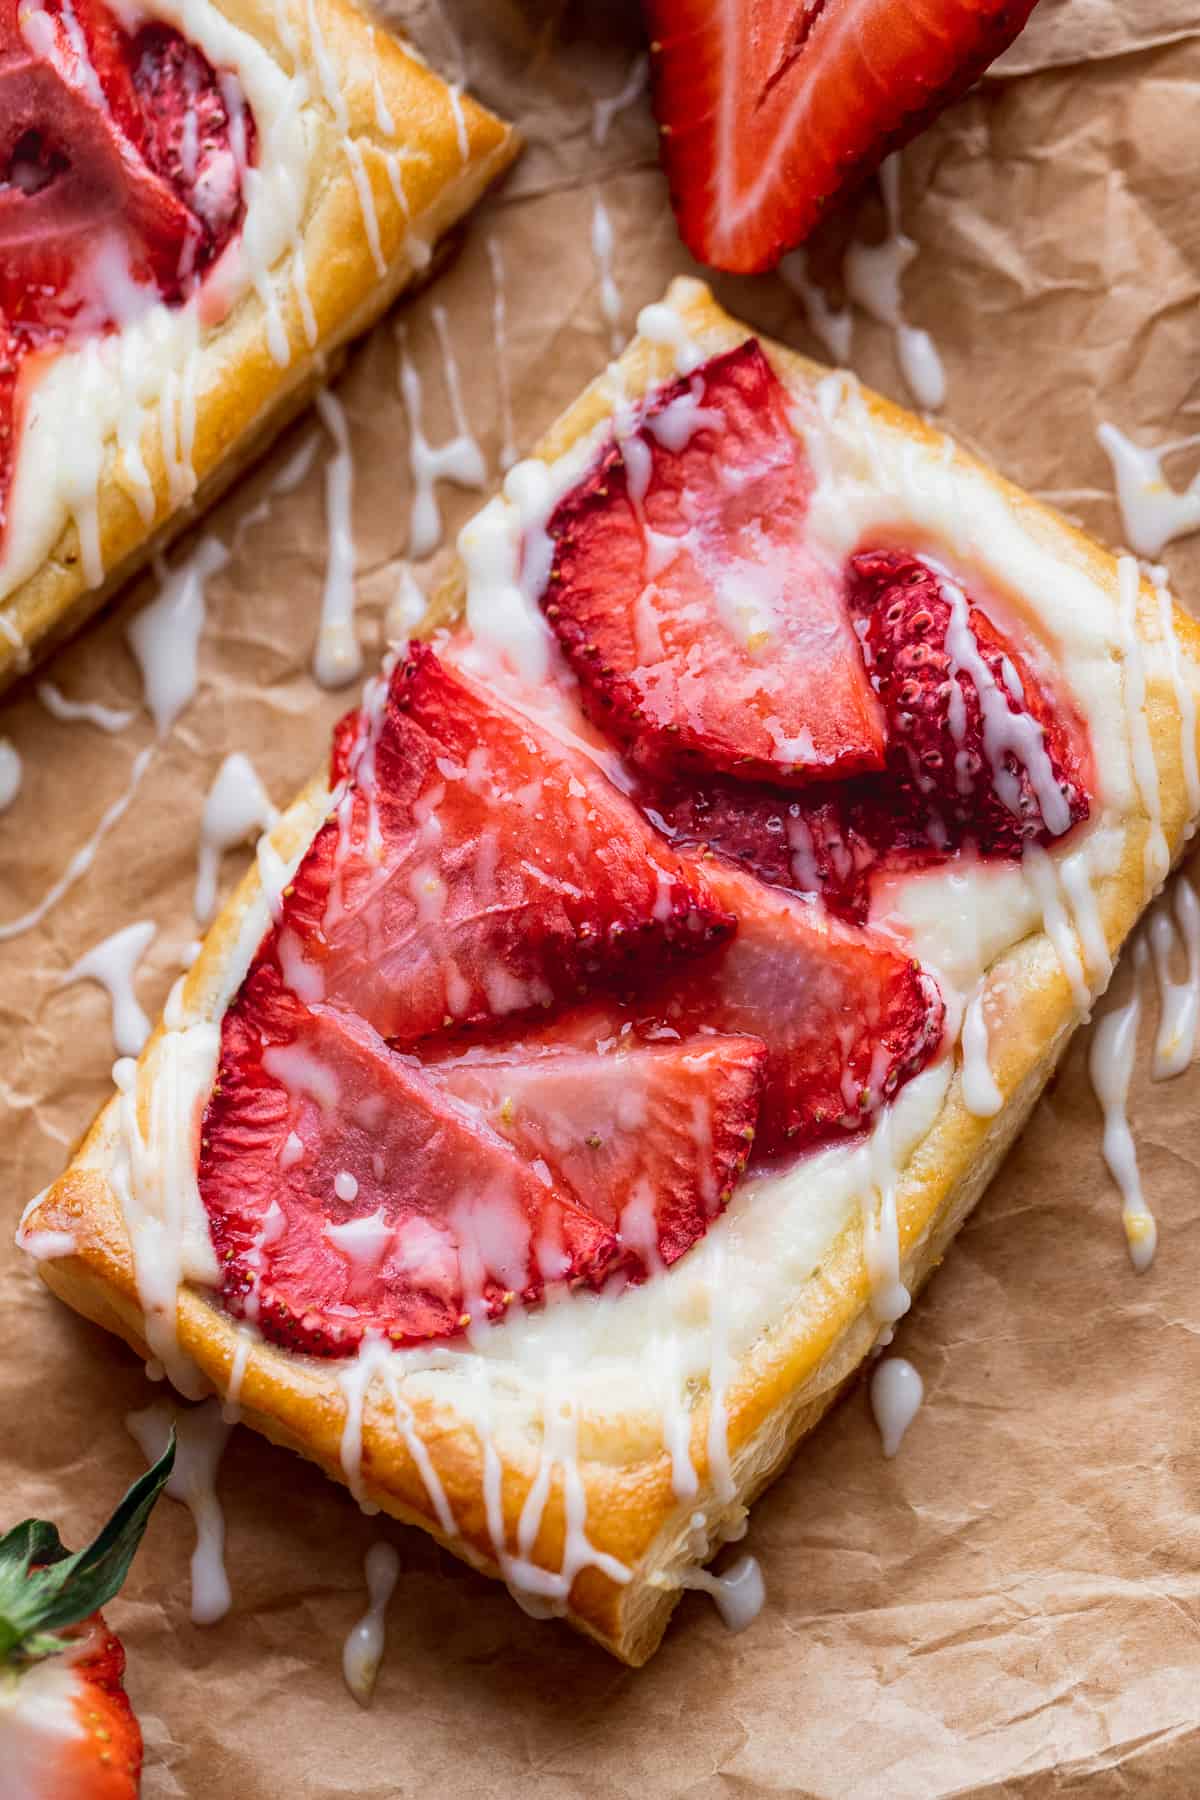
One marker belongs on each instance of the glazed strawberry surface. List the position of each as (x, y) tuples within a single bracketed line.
[(527, 1012), (736, 651), (122, 154)]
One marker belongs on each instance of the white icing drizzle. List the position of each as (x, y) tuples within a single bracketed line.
[(231, 1410), (153, 1173), (85, 856), (337, 658), (1185, 698), (896, 1395), (1153, 513), (739, 1594), (1179, 1001), (10, 773), (454, 96), (660, 323), (873, 273), (606, 108), (112, 963), (1041, 872), (1110, 1065), (406, 608), (363, 1649), (889, 1297), (980, 1093), (12, 636), (602, 250), (104, 718), (366, 203), (236, 805), (1145, 765), (459, 459), (721, 1370), (832, 326), (200, 1437), (327, 74), (43, 1246), (508, 449), (165, 635)]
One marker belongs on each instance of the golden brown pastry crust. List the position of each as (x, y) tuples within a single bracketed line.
[(793, 1372), (245, 397)]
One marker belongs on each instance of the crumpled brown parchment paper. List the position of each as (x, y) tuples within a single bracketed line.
[(1011, 1606)]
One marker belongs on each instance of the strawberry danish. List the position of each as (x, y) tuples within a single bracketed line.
[(198, 206), (601, 1055)]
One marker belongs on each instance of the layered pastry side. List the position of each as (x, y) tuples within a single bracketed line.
[(197, 206), (600, 1056)]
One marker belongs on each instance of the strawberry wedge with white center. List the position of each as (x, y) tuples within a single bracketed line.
[(67, 1730), (844, 1016), (705, 633), (649, 1137), (477, 867), (347, 1194), (771, 109)]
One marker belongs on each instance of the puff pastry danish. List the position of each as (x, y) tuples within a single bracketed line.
[(598, 1059), (201, 202)]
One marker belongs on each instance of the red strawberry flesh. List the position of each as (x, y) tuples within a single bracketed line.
[(649, 1137), (347, 1194), (477, 868), (705, 632), (987, 777), (771, 109), (844, 1016)]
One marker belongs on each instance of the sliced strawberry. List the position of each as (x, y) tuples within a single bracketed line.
[(704, 630), (649, 1137), (189, 136), (347, 1194), (814, 842), (771, 109), (476, 868), (991, 777), (845, 1018), (345, 746), (977, 751)]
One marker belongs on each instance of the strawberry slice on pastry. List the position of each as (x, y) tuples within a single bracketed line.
[(769, 110), (351, 1190), (979, 756), (347, 1194), (845, 1017), (650, 1137), (977, 751), (476, 867), (705, 632)]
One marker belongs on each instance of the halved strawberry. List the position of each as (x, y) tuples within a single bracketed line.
[(649, 1137), (67, 1730), (977, 751), (705, 631), (347, 1194), (845, 1018), (771, 109), (477, 868)]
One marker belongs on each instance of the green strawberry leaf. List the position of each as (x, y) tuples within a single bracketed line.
[(43, 1588)]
